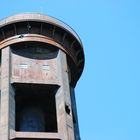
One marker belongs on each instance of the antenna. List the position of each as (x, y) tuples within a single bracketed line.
[(41, 9)]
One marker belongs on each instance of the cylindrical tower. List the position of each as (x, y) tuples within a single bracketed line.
[(42, 59)]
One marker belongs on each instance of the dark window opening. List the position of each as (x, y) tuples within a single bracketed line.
[(35, 108), (35, 50), (67, 108)]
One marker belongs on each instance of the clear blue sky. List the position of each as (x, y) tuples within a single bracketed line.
[(108, 93)]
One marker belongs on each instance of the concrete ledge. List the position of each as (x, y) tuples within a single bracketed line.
[(40, 135)]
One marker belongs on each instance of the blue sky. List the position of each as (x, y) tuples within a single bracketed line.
[(108, 93)]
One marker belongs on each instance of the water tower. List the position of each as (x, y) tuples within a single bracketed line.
[(41, 61)]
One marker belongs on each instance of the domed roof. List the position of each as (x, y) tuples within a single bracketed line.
[(42, 28)]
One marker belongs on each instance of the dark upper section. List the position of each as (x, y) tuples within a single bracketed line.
[(42, 28)]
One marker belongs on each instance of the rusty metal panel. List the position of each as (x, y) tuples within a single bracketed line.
[(33, 70)]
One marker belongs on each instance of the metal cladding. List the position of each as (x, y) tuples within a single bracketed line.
[(41, 28)]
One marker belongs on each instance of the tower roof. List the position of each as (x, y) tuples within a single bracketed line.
[(29, 27)]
